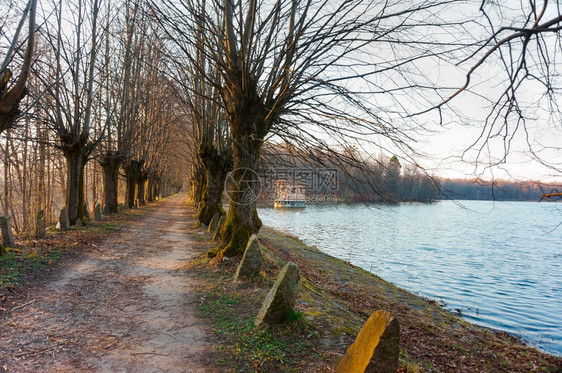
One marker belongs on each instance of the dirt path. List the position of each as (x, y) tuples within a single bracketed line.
[(125, 307)]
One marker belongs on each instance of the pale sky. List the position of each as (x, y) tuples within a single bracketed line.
[(543, 132)]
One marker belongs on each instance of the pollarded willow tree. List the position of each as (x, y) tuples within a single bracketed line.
[(155, 120), (69, 80), (130, 105), (312, 70), (12, 92), (120, 64), (213, 146)]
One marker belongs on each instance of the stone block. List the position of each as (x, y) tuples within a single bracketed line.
[(217, 234), (97, 212), (376, 347), (87, 213), (214, 223), (63, 219), (7, 235), (250, 265), (281, 298)]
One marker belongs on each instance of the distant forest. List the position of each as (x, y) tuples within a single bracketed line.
[(499, 190), (382, 179)]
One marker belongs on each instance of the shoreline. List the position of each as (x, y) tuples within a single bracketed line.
[(440, 302), (335, 299), (399, 301), (480, 265)]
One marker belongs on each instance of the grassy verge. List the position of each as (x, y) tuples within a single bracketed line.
[(240, 345), (335, 299), (19, 262), (33, 257)]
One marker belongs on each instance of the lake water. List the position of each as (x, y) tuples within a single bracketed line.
[(500, 263)]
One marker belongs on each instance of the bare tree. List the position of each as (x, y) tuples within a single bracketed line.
[(121, 98), (71, 99), (11, 93), (287, 69), (196, 82), (521, 42)]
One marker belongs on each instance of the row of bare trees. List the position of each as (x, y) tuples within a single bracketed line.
[(153, 89), (326, 75), (95, 109)]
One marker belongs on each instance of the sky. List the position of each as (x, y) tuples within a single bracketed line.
[(454, 147), (452, 151), (449, 149), (445, 148)]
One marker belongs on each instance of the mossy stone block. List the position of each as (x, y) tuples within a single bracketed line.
[(97, 212), (250, 265), (281, 298), (214, 223)]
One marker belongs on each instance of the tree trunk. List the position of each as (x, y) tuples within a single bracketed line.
[(41, 199), (75, 162), (157, 187), (242, 220), (141, 183), (133, 170), (198, 183), (110, 164), (216, 168), (6, 200), (26, 184), (150, 189)]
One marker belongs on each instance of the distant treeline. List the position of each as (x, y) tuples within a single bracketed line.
[(499, 190), (345, 176), (350, 177)]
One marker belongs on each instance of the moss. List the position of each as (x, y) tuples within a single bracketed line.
[(236, 235), (208, 211), (240, 345), (17, 263), (213, 252), (103, 227), (238, 242), (336, 298)]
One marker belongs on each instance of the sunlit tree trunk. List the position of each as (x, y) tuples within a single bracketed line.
[(110, 164), (133, 171), (248, 128), (141, 188), (217, 165)]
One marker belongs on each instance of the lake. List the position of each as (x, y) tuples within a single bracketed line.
[(499, 263)]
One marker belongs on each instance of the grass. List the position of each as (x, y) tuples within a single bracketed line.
[(335, 298), (241, 345), (17, 263), (102, 227), (339, 297), (34, 257)]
